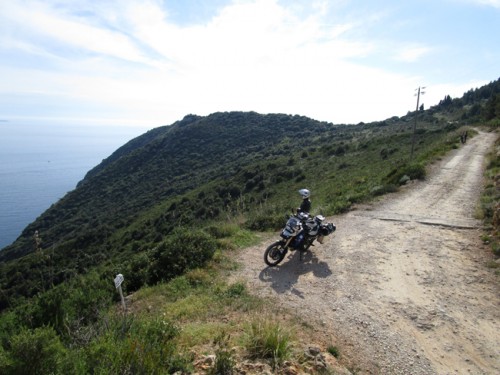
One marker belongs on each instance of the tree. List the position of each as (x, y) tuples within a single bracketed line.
[(492, 109), (446, 102)]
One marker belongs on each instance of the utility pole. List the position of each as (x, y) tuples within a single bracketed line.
[(420, 92)]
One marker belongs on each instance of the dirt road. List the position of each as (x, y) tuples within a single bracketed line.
[(402, 287)]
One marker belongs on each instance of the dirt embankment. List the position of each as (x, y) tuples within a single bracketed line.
[(402, 286)]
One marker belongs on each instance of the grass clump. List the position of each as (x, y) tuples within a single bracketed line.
[(224, 356), (267, 339), (333, 350)]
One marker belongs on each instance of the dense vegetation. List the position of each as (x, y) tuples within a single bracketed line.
[(173, 201), (490, 203)]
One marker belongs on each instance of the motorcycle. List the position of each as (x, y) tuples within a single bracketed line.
[(298, 234)]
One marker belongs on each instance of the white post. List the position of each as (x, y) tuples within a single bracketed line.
[(118, 284)]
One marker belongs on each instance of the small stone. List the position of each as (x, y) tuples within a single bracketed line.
[(313, 350)]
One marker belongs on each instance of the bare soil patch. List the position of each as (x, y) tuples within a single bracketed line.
[(402, 287)]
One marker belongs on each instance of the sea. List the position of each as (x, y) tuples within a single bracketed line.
[(41, 162)]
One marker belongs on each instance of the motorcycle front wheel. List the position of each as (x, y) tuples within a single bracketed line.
[(274, 254)]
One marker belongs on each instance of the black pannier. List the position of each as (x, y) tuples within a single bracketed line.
[(327, 229)]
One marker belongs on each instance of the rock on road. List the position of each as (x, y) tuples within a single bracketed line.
[(402, 286)]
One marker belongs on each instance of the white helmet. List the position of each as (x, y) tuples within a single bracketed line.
[(305, 193)]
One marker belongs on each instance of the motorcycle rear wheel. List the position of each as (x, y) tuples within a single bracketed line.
[(274, 254)]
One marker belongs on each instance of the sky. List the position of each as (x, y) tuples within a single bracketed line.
[(151, 62)]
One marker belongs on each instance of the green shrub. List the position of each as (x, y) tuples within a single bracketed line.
[(106, 354), (136, 347), (137, 272), (5, 361), (49, 309), (36, 351), (182, 250), (383, 189), (81, 301), (264, 223), (415, 171), (75, 363), (9, 326), (338, 206), (89, 296), (495, 247), (221, 230)]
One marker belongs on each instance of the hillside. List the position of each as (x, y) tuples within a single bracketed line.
[(202, 169), (163, 163), (159, 206)]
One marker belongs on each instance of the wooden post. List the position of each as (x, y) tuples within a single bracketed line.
[(118, 284)]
